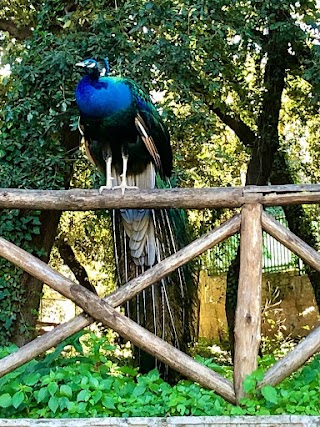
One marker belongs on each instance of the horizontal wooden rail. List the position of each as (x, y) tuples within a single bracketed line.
[(185, 198)]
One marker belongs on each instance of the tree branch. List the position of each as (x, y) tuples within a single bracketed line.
[(19, 32), (243, 132), (77, 269)]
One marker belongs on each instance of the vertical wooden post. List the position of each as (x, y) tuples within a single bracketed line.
[(248, 312)]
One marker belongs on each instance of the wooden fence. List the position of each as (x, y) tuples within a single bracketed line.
[(250, 222)]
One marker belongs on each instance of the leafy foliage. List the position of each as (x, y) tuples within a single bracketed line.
[(210, 61), (31, 155), (87, 381), (20, 227), (298, 394)]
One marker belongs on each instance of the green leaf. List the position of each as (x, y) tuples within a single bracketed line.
[(249, 384), (5, 400), (53, 403), (108, 402), (66, 390), (17, 399), (71, 406), (181, 408), (309, 374), (43, 394), (82, 407), (84, 395), (270, 394), (52, 388), (139, 390), (32, 379), (94, 382), (63, 402), (128, 370), (96, 395)]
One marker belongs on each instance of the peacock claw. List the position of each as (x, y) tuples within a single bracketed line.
[(104, 187), (125, 187), (108, 186)]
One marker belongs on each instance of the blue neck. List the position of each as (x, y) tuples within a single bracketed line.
[(102, 97)]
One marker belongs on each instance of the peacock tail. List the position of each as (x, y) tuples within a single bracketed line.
[(167, 308)]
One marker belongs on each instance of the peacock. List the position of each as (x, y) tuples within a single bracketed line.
[(127, 140)]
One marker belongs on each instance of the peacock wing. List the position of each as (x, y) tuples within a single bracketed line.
[(152, 131), (92, 146), (155, 136)]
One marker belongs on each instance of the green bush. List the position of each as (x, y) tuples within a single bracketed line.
[(82, 378)]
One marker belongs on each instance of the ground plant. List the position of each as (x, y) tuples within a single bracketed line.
[(89, 376)]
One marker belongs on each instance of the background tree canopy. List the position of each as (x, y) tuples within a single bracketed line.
[(240, 83)]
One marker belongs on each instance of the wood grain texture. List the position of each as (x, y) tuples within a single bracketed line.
[(247, 328), (293, 360), (248, 311), (185, 198), (114, 199)]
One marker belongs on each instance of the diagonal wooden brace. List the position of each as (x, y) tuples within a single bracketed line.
[(102, 311), (311, 344)]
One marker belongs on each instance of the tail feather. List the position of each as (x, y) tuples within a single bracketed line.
[(137, 228), (138, 223), (166, 308)]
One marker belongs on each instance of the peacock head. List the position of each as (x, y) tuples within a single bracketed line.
[(95, 68)]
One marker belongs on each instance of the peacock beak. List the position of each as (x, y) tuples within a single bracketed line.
[(80, 64)]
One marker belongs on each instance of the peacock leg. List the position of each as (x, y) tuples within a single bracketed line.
[(109, 178), (123, 186), (108, 172)]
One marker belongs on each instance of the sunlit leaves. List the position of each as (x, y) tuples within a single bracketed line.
[(203, 56)]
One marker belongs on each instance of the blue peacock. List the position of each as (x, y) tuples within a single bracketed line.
[(127, 140)]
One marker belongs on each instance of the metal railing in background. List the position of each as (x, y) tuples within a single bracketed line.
[(276, 257)]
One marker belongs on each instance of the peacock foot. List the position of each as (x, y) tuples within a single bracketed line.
[(124, 187), (108, 185), (104, 187)]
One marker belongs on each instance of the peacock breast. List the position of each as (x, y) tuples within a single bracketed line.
[(107, 97)]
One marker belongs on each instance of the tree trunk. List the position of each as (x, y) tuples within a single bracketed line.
[(24, 329), (25, 324), (265, 145), (298, 221)]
